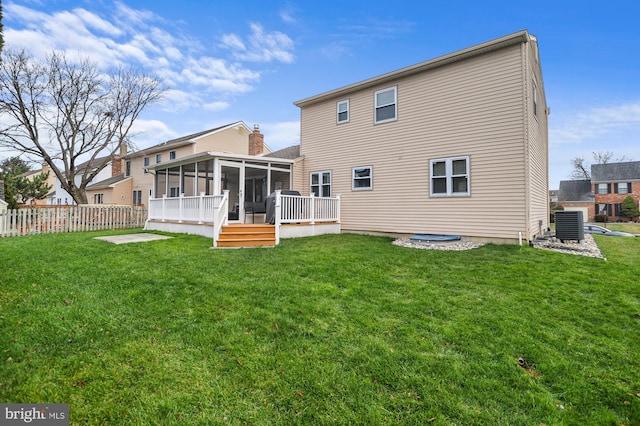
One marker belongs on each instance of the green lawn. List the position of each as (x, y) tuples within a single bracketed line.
[(342, 329)]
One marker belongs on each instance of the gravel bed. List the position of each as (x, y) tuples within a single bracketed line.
[(587, 248)]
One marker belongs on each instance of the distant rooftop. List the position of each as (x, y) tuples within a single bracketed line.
[(289, 153), (575, 190), (615, 172)]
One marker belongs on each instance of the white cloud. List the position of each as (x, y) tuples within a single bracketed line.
[(216, 106), (281, 135), (288, 17), (261, 46), (595, 123)]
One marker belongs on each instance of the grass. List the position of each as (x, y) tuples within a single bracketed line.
[(344, 329)]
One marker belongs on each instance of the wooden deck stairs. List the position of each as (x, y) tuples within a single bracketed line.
[(248, 235)]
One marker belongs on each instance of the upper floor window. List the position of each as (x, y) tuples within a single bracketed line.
[(127, 168), (362, 178), (535, 99), (172, 155), (342, 109), (603, 188), (623, 188), (98, 198), (450, 176), (146, 164), (321, 184), (158, 158), (386, 102)]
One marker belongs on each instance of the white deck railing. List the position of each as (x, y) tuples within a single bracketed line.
[(214, 210), (198, 209), (301, 209)]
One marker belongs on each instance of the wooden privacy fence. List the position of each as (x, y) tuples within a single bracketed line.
[(48, 220)]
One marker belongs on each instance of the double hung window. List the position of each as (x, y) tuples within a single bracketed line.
[(342, 111), (450, 176), (386, 103), (321, 184), (362, 178)]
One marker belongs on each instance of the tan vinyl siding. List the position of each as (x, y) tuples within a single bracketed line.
[(468, 108), (538, 147)]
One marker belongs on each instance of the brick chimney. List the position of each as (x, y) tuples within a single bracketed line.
[(256, 141), (117, 163)]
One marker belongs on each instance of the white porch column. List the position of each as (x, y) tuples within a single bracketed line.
[(164, 198), (180, 201), (277, 213), (338, 208), (201, 208), (312, 206)]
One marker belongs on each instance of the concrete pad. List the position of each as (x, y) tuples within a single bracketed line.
[(132, 238)]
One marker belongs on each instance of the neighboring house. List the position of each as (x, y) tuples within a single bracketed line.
[(612, 183), (553, 195), (454, 145), (231, 138), (576, 195), (51, 181)]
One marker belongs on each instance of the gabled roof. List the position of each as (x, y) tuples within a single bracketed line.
[(182, 140), (615, 172), (499, 43), (291, 153), (95, 163), (575, 190), (107, 183)]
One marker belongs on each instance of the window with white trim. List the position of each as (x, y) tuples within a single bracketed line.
[(450, 177), (386, 103), (320, 183), (158, 158), (362, 178), (146, 164), (174, 191), (137, 197), (98, 198), (603, 188), (127, 168), (623, 188), (342, 111), (172, 155)]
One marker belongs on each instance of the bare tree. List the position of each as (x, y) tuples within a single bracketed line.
[(65, 112), (582, 170)]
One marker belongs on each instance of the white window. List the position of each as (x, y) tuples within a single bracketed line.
[(146, 164), (172, 155), (127, 168), (321, 183), (386, 101), (623, 188), (158, 158), (342, 109), (450, 176), (535, 99), (98, 198), (137, 197), (603, 188), (362, 178), (174, 191)]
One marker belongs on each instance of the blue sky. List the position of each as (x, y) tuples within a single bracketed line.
[(225, 61)]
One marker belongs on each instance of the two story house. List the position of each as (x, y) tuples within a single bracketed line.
[(453, 145), (132, 184), (612, 183)]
